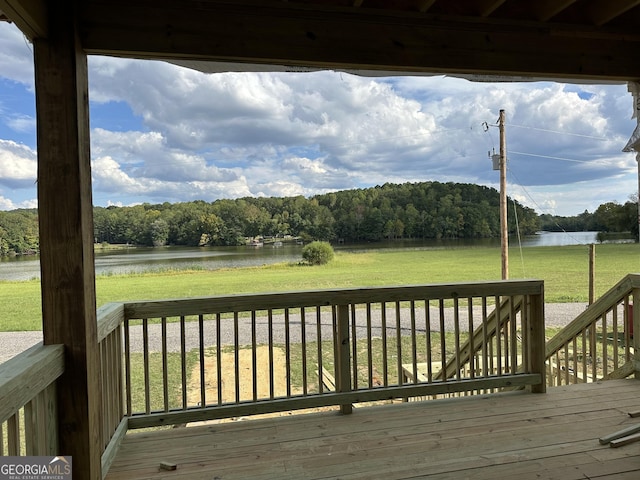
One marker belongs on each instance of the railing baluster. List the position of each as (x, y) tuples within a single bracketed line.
[(513, 322), (271, 379), (627, 333), (13, 435), (219, 357), (104, 373), (566, 364), (427, 329), (145, 350), (303, 346), (385, 362), (485, 340), (443, 340), (117, 355), (575, 360), (605, 346), (526, 328), (354, 348), (456, 331), (165, 365), (369, 347), (616, 339), (254, 358), (472, 346), (236, 357), (127, 366), (183, 362), (319, 343), (203, 394), (287, 347), (499, 328), (414, 347), (398, 344), (585, 356), (593, 352), (30, 427)]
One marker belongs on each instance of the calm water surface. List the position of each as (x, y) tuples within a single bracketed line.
[(138, 260)]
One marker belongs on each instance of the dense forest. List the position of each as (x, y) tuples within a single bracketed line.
[(411, 210)]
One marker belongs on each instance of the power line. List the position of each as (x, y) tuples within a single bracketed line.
[(549, 157), (558, 132)]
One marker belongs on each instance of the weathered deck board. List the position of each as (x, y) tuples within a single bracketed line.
[(516, 435)]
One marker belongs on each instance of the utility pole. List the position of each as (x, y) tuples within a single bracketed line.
[(504, 237)]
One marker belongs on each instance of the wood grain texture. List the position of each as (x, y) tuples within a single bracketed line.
[(26, 375), (513, 435), (66, 235), (247, 302)]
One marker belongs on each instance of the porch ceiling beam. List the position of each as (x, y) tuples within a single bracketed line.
[(29, 15), (356, 39)]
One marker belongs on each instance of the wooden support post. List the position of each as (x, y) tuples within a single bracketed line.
[(343, 355), (537, 342), (66, 235), (636, 332), (592, 273)]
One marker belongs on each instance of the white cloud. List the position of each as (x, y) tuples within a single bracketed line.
[(16, 55), (18, 165), (198, 136)]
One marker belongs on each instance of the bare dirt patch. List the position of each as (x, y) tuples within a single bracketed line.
[(226, 390)]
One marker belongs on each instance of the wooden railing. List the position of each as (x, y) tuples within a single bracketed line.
[(599, 343), (178, 361), (208, 358), (28, 406), (110, 343)]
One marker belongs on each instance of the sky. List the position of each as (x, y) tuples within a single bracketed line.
[(164, 133)]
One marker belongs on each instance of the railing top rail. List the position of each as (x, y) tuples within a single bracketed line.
[(110, 316), (28, 373), (264, 301), (634, 278)]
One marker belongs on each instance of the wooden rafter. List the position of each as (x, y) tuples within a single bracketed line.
[(602, 13), (29, 15), (425, 5), (487, 7), (547, 9)]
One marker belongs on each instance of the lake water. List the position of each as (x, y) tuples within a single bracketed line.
[(138, 260)]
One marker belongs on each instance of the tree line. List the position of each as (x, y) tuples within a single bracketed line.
[(608, 217), (426, 210)]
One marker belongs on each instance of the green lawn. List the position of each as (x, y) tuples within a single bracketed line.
[(564, 270)]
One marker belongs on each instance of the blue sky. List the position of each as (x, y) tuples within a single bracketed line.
[(161, 132)]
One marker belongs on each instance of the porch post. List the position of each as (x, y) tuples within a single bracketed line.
[(636, 332), (537, 341), (66, 234)]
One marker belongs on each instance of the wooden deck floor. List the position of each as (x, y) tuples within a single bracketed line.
[(514, 435)]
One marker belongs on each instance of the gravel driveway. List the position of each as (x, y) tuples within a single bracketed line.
[(12, 343)]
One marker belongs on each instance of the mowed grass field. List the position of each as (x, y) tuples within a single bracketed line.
[(565, 271)]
